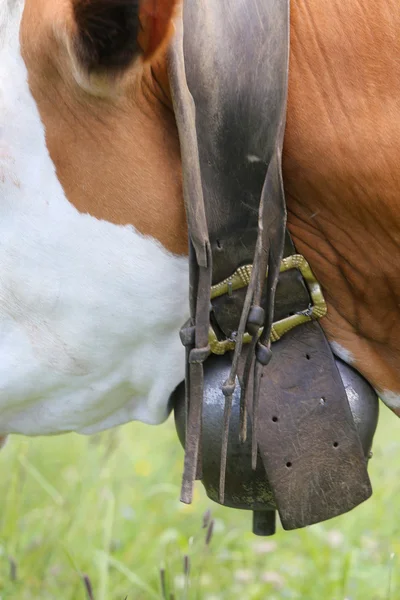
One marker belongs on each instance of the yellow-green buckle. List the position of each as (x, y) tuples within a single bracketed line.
[(241, 278)]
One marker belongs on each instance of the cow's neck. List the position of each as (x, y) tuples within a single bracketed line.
[(342, 178), (89, 310)]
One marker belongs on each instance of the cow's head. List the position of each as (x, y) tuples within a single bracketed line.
[(93, 288)]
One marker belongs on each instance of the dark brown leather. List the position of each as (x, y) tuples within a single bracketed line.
[(306, 434), (228, 59), (224, 174), (228, 68)]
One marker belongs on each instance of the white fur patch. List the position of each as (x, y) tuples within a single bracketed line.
[(342, 353), (391, 399), (89, 311)]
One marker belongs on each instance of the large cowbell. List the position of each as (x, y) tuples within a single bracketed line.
[(248, 489), (311, 429)]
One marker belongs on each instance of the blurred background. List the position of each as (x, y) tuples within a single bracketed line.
[(100, 518)]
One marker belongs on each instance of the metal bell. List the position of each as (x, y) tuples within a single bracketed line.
[(244, 488)]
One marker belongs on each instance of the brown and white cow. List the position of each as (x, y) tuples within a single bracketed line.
[(93, 272)]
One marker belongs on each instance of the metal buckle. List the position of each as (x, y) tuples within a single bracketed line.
[(241, 278)]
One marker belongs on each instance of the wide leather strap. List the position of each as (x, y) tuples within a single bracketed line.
[(306, 434), (226, 174), (228, 76)]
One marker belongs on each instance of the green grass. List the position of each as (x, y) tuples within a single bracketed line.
[(108, 507)]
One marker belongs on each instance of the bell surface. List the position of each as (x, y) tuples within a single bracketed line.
[(244, 488)]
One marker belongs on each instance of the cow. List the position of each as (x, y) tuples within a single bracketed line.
[(93, 233)]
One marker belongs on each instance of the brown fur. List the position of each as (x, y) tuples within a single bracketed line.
[(341, 171), (118, 156)]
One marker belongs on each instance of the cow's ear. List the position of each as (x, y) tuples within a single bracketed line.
[(112, 34)]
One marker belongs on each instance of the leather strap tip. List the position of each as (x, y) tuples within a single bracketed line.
[(228, 389), (199, 355), (187, 493), (255, 320), (263, 354), (187, 335)]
